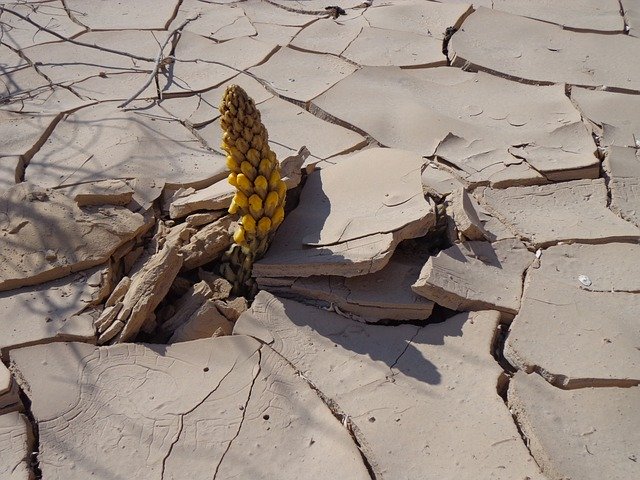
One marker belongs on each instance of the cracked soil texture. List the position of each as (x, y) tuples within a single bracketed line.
[(453, 293)]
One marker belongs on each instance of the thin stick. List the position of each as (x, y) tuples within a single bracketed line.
[(156, 66), (71, 40)]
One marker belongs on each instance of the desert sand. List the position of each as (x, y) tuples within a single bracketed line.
[(453, 293)]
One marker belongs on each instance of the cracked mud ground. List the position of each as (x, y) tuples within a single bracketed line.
[(453, 294)]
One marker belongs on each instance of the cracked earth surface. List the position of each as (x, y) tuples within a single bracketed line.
[(453, 293)]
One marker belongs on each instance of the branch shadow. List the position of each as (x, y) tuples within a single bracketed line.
[(396, 347)]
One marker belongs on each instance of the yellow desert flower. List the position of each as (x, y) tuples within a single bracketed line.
[(255, 173)]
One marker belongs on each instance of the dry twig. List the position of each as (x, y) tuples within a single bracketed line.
[(159, 62), (71, 40)]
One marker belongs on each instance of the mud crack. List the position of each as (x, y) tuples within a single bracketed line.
[(244, 413)]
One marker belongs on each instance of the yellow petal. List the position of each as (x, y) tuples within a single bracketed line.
[(238, 236), (232, 179), (274, 180), (270, 203), (264, 225), (228, 139), (253, 156), (241, 200), (260, 186), (237, 155), (249, 170), (244, 184), (257, 142), (278, 217), (255, 206), (248, 223), (232, 164), (242, 145), (265, 168), (282, 190)]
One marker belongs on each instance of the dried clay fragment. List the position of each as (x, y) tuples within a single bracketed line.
[(598, 429), (148, 287), (476, 276), (16, 445), (35, 238), (227, 406), (384, 379), (465, 213)]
